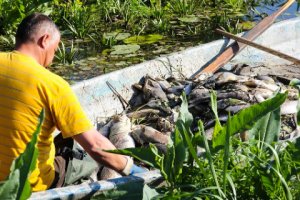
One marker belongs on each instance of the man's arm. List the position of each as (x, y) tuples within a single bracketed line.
[(94, 143)]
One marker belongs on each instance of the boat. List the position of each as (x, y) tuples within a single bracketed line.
[(99, 102)]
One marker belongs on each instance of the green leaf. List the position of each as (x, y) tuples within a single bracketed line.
[(116, 35), (213, 99), (267, 182), (267, 128), (9, 188), (143, 39), (168, 164), (26, 161), (180, 153), (189, 19), (184, 115), (211, 164), (17, 186), (226, 153), (296, 84), (246, 118), (148, 155), (124, 49)]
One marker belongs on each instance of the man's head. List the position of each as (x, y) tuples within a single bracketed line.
[(38, 36)]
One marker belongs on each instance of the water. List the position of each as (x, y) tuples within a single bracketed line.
[(91, 62), (291, 12)]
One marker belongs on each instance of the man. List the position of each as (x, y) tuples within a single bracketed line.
[(26, 87)]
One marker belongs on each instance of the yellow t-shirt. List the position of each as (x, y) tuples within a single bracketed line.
[(25, 89)]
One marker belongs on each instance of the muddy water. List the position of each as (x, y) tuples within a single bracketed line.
[(90, 61)]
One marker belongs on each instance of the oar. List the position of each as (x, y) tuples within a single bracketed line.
[(258, 46), (236, 47)]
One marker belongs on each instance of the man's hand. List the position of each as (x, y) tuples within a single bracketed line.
[(94, 142)]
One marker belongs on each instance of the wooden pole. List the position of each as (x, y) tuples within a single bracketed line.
[(258, 46)]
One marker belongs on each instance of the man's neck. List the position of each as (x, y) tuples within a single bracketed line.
[(31, 51)]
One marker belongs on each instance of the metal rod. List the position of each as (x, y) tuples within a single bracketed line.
[(122, 100)]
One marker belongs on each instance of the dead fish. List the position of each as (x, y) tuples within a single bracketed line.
[(204, 76), (121, 139), (188, 88), (119, 132), (289, 107), (236, 86), (164, 125), (157, 104), (241, 95), (225, 77), (105, 130), (177, 89), (153, 89), (261, 84), (237, 108), (164, 84), (261, 94), (199, 94), (107, 173), (146, 134), (222, 78), (142, 113), (138, 86), (224, 103), (171, 96), (137, 100), (265, 78)]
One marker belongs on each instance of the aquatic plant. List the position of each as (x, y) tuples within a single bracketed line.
[(184, 21), (64, 54), (184, 7), (77, 18)]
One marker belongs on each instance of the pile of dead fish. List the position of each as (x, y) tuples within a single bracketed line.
[(154, 107)]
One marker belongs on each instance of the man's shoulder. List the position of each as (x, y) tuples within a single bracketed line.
[(4, 55), (54, 81)]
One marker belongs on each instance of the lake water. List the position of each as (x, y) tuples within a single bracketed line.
[(97, 63), (292, 11)]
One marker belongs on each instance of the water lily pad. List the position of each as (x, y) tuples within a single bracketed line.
[(92, 58), (143, 39), (189, 19), (247, 25), (124, 49), (116, 35), (121, 63), (105, 52), (85, 68)]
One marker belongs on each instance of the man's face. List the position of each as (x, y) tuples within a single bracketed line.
[(50, 51)]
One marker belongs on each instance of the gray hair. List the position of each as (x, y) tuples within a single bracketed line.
[(33, 26)]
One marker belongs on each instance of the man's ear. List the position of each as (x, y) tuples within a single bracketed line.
[(43, 41)]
